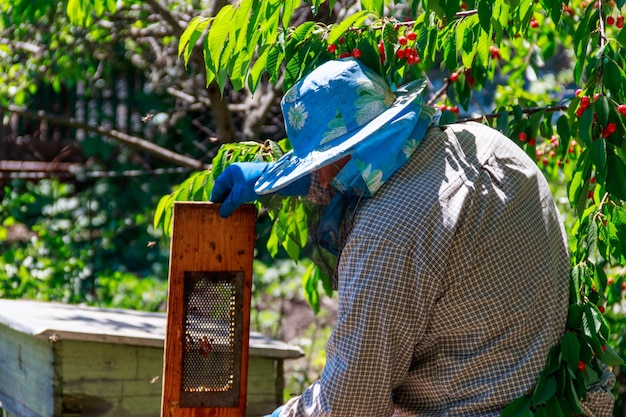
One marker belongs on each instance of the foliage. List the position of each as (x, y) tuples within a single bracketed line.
[(83, 249), (574, 124), (68, 66)]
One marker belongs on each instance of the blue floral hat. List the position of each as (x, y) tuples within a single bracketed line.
[(329, 112)]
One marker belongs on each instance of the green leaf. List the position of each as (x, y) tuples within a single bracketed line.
[(599, 158), (562, 129), (574, 316), (274, 60), (218, 34), (485, 14), (591, 241), (570, 349), (273, 240), (520, 407), (616, 182), (353, 20), (601, 107), (579, 182), (553, 408), (484, 43), (556, 11), (554, 361), (591, 327), (571, 395), (310, 279), (165, 204), (376, 6), (610, 357), (186, 36), (257, 69), (544, 390), (613, 77), (289, 6)]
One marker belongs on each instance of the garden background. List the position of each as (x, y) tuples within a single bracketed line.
[(111, 111)]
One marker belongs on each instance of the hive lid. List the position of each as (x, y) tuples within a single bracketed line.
[(74, 322)]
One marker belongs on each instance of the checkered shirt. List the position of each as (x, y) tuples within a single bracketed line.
[(453, 286)]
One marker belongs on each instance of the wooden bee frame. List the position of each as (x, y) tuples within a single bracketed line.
[(208, 312)]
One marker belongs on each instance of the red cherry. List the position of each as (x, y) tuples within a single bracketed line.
[(554, 140), (402, 40), (611, 127), (610, 20), (332, 48), (469, 78), (522, 136), (401, 53), (356, 52), (532, 142), (601, 308), (453, 77), (494, 52), (623, 285), (585, 101), (619, 23), (581, 366), (411, 36), (622, 109)]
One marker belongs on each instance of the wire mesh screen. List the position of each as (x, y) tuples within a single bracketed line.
[(212, 339)]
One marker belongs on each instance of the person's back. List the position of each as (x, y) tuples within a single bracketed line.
[(465, 258)]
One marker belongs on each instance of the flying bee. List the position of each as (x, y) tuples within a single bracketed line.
[(147, 117), (151, 244)]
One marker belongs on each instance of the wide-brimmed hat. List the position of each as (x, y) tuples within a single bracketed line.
[(329, 112)]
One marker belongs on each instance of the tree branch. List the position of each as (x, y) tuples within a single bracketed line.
[(219, 108), (129, 140)]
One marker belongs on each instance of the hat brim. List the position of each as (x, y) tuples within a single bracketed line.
[(291, 167)]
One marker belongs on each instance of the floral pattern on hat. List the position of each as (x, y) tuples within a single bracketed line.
[(409, 147), (297, 116), (336, 127), (373, 98), (373, 178)]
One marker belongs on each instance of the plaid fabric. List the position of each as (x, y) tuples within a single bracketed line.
[(453, 286)]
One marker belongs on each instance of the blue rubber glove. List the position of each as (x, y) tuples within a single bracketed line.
[(235, 186)]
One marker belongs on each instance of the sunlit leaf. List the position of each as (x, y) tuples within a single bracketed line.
[(353, 20)]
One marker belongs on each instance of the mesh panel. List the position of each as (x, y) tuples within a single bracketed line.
[(212, 339)]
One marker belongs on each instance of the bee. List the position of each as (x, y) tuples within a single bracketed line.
[(151, 244), (147, 117), (54, 338), (154, 379)]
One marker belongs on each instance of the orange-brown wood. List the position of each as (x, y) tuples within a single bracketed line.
[(204, 241)]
